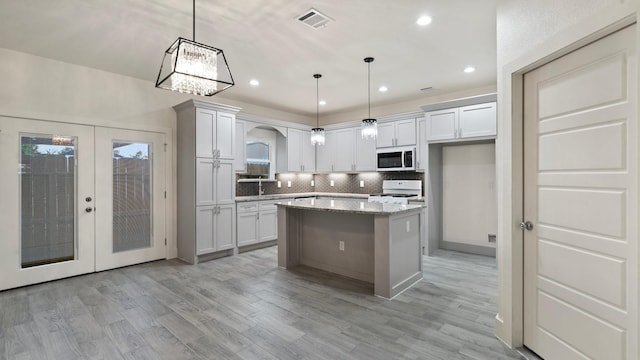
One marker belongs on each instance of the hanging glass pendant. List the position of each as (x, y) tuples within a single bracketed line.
[(317, 136), (317, 133), (369, 128)]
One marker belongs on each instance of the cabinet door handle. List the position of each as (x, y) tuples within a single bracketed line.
[(455, 132)]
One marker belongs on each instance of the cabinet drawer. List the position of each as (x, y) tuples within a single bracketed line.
[(247, 207)]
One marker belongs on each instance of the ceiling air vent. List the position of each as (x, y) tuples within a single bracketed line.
[(314, 18)]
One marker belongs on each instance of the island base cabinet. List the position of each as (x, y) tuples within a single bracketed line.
[(214, 232), (378, 248)]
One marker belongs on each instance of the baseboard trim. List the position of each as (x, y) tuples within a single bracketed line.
[(468, 248)]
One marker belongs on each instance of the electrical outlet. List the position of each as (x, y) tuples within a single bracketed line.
[(491, 238), (279, 184), (341, 245), (332, 183), (361, 183), (289, 183), (313, 183)]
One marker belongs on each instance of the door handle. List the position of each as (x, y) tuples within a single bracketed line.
[(527, 225), (88, 209)]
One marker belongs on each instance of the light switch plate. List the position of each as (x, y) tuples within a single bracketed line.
[(361, 183), (313, 183), (332, 183), (279, 184), (289, 183)]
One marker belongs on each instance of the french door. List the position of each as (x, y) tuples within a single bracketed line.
[(77, 199), (130, 216)]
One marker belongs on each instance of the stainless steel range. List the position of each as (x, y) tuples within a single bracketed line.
[(398, 192)]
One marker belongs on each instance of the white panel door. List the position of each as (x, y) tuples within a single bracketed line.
[(47, 201), (406, 132), (225, 136), (581, 196), (205, 132), (442, 124), (130, 205)]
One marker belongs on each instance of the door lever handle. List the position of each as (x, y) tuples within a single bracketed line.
[(527, 225)]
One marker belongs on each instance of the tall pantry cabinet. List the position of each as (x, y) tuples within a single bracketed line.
[(206, 179)]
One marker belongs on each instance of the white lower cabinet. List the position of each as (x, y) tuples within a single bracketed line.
[(215, 227), (257, 222)]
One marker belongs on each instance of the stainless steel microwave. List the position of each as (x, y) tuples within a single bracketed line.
[(396, 159)]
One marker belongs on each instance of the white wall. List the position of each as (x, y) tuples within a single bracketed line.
[(401, 107), (469, 197), (44, 89), (531, 33)]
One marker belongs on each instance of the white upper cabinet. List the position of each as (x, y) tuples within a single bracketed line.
[(345, 151), (300, 152), (365, 156), (467, 122), (215, 134), (240, 163), (477, 120), (324, 153), (396, 133)]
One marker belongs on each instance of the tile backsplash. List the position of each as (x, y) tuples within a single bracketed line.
[(342, 183)]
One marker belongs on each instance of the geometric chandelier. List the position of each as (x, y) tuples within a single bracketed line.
[(194, 68)]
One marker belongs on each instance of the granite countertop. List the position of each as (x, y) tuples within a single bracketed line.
[(349, 205), (294, 195)]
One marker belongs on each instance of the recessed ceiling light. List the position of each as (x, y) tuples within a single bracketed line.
[(322, 102), (383, 88), (254, 82), (469, 69), (424, 20)]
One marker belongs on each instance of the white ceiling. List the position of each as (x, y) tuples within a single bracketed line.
[(263, 40)]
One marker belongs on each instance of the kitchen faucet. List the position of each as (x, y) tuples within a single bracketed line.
[(260, 191)]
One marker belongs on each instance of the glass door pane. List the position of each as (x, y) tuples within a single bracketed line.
[(48, 198), (132, 196)]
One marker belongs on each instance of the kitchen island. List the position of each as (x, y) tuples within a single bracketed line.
[(372, 242)]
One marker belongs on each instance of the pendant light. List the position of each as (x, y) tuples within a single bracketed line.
[(317, 133), (369, 126), (194, 68)]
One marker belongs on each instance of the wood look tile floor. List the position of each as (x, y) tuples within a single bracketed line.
[(245, 307)]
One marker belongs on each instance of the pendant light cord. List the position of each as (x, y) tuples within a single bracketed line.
[(368, 85), (194, 20), (317, 102)]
